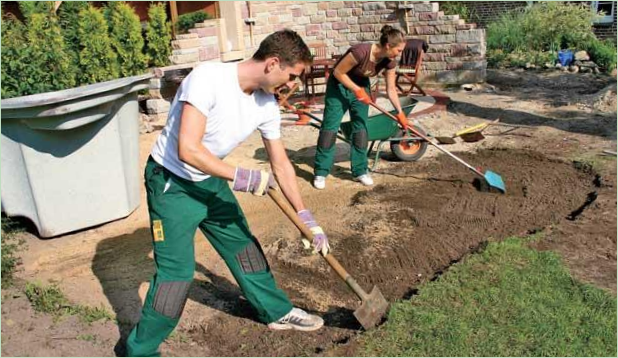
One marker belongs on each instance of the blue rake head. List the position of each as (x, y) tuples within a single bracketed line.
[(494, 180)]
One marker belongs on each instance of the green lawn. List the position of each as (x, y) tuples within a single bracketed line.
[(508, 300)]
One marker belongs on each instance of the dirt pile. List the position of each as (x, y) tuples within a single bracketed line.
[(399, 235)]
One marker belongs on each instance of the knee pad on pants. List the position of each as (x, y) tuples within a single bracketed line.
[(251, 259), (359, 139), (170, 298), (327, 139)]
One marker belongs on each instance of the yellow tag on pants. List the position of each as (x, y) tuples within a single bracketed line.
[(157, 231)]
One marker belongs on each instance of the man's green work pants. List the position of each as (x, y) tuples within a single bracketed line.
[(177, 207), (337, 101)]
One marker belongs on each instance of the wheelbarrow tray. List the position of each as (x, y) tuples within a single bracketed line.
[(380, 126)]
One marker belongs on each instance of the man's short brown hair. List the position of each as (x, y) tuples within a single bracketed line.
[(285, 44)]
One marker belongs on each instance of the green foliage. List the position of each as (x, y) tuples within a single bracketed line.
[(14, 58), (158, 36), (545, 27), (457, 8), (520, 58), (509, 300), (52, 301), (10, 246), (46, 299), (97, 59), (68, 15), (29, 8), (603, 53), (126, 38), (187, 21), (37, 60)]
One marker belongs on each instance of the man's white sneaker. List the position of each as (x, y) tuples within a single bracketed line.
[(299, 320), (364, 179), (319, 182)]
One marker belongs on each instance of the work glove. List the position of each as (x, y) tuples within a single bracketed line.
[(362, 96), (256, 182), (403, 120), (320, 241)]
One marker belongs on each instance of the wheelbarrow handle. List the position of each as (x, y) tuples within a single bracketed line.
[(426, 138)]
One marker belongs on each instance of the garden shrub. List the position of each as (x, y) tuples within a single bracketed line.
[(68, 15), (536, 34), (158, 36), (14, 57), (187, 21), (603, 53), (458, 8), (97, 60), (126, 38), (36, 57)]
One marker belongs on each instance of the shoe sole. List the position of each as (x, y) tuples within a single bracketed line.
[(285, 327)]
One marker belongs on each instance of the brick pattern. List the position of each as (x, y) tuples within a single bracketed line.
[(457, 49)]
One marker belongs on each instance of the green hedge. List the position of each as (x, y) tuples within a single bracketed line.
[(126, 38), (34, 56), (535, 34), (98, 62), (188, 21), (78, 45), (158, 36)]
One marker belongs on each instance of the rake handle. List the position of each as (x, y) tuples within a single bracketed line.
[(332, 261), (424, 137)]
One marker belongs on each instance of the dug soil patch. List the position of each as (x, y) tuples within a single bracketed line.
[(398, 235)]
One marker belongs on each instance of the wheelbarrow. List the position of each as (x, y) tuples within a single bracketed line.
[(382, 130)]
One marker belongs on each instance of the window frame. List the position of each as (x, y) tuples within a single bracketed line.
[(602, 20)]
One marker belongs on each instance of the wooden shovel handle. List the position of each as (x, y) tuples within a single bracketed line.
[(293, 216)]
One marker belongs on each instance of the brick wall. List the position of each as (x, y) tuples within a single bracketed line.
[(457, 50)]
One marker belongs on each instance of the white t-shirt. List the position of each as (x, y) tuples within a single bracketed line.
[(231, 114)]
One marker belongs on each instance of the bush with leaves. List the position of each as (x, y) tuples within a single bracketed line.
[(126, 38), (188, 21), (458, 8), (43, 65), (14, 57), (543, 29), (158, 36), (68, 14), (603, 53), (97, 60)]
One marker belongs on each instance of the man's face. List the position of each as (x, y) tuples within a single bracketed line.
[(281, 76), (394, 51)]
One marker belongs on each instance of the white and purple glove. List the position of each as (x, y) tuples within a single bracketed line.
[(256, 182), (320, 241)]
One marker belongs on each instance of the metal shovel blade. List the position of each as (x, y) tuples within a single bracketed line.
[(495, 181), (372, 309)]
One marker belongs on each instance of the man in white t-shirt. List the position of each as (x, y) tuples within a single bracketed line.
[(216, 108)]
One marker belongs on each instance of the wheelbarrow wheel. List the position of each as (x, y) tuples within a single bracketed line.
[(409, 151)]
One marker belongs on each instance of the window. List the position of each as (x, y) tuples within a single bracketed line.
[(604, 11)]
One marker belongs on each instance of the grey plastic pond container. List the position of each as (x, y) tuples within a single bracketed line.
[(70, 159)]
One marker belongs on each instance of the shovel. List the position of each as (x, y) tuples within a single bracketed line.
[(373, 305), (493, 179)]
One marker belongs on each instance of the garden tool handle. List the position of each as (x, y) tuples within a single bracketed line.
[(332, 261), (424, 137)]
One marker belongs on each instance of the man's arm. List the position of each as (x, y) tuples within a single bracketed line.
[(284, 172), (190, 147)]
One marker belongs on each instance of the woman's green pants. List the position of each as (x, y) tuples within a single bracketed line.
[(177, 208), (339, 100)]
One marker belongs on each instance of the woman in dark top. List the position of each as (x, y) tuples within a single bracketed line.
[(348, 89)]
